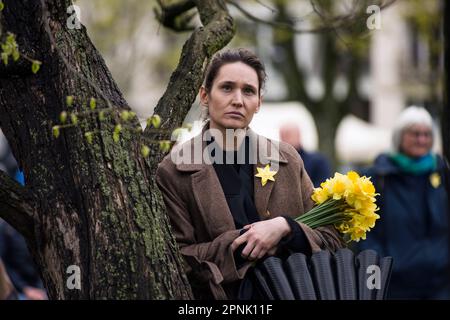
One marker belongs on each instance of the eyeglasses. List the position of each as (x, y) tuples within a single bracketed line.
[(416, 133)]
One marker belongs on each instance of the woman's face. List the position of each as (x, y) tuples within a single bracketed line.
[(417, 140), (234, 97)]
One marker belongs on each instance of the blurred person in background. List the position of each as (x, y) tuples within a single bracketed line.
[(7, 291), (413, 227), (14, 252), (19, 264), (317, 165)]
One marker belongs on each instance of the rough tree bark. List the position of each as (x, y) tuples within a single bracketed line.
[(92, 205)]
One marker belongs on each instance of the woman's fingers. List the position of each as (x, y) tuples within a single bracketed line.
[(262, 254), (248, 250), (272, 251), (238, 241), (256, 252)]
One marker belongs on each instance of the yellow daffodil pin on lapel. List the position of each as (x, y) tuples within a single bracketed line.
[(265, 174), (435, 180)]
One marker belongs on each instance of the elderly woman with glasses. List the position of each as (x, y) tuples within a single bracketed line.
[(413, 228)]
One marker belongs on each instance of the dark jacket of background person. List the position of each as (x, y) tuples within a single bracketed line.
[(413, 229), (317, 166), (7, 291), (17, 259), (203, 224)]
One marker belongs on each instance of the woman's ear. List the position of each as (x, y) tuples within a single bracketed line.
[(259, 104), (203, 96)]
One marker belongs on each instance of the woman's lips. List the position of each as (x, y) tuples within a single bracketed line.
[(234, 113)]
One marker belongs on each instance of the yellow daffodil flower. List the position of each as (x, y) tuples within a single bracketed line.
[(347, 202)]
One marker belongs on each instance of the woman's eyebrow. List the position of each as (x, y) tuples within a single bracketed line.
[(249, 86), (227, 82)]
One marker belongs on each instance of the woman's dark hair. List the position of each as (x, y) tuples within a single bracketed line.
[(234, 55)]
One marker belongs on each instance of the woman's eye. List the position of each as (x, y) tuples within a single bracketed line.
[(226, 88), (249, 91)]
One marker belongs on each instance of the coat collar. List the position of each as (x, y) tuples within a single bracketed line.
[(268, 153), (205, 181)]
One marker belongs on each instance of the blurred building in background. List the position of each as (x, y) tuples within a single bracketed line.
[(352, 81)]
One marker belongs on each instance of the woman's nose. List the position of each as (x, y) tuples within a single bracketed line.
[(237, 98)]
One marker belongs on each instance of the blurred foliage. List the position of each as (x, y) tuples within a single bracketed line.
[(140, 53), (426, 16), (135, 46)]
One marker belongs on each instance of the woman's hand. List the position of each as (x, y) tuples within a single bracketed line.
[(262, 238)]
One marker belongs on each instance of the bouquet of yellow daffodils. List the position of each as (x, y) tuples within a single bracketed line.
[(345, 201)]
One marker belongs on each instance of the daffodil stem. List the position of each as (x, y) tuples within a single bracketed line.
[(322, 211), (323, 218), (330, 220)]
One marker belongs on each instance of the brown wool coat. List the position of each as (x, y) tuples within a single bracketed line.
[(202, 222)]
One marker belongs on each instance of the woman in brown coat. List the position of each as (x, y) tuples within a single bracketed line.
[(231, 194)]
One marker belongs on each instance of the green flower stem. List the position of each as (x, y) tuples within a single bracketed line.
[(329, 218), (326, 205), (323, 212), (338, 218)]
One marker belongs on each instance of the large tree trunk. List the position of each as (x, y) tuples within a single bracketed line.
[(94, 205)]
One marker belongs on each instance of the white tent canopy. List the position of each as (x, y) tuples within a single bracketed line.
[(271, 117)]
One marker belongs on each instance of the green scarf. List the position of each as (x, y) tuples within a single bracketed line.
[(414, 166)]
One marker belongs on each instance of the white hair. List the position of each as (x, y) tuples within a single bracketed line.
[(409, 117)]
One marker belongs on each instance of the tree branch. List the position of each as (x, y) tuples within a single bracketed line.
[(337, 22), (186, 80), (16, 205), (175, 16)]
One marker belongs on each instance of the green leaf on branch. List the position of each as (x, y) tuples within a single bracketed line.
[(16, 55), (125, 115), (118, 128), (154, 120), (55, 130), (164, 145), (74, 118), (177, 133), (145, 151), (69, 100), (116, 134), (5, 58), (63, 117), (101, 115), (35, 66), (93, 103), (2, 5), (89, 136)]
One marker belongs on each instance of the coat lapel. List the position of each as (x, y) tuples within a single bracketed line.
[(207, 192), (262, 194), (266, 152), (211, 201)]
